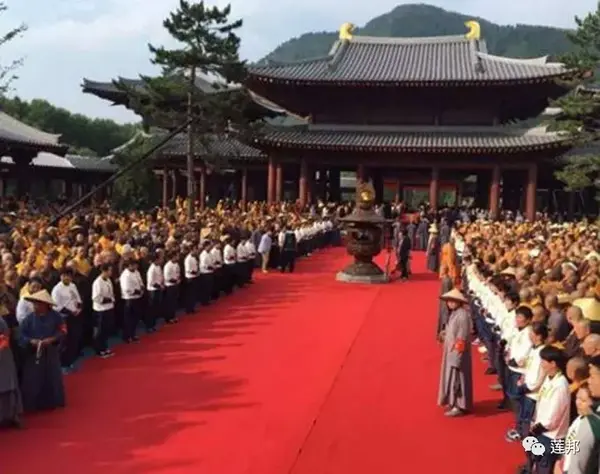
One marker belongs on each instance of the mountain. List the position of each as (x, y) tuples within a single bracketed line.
[(519, 41)]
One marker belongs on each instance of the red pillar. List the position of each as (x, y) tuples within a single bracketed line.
[(202, 187), (495, 192), (165, 187), (278, 182), (271, 181), (530, 205), (434, 185), (244, 192), (303, 183)]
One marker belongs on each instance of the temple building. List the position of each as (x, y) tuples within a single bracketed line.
[(437, 119), (417, 116)]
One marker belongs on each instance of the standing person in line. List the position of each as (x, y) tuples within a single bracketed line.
[(264, 249), (103, 305), (172, 276), (155, 286), (456, 379), (288, 245), (10, 397), (403, 252), (551, 420), (191, 272), (68, 303), (132, 290)]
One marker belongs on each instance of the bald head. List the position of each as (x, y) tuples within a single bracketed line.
[(591, 345)]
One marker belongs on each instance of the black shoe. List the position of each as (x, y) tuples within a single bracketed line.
[(504, 405), (135, 339), (490, 371)]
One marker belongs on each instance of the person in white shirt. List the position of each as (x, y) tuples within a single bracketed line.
[(242, 263), (506, 323), (25, 307), (551, 421), (229, 259), (216, 257), (132, 290), (518, 349), (103, 305), (69, 305), (529, 383), (155, 285), (172, 278), (191, 271), (206, 278), (264, 249), (251, 253)]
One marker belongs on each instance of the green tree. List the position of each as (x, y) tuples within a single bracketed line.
[(580, 108), (7, 71), (138, 189), (208, 45)]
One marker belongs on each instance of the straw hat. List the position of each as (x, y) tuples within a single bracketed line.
[(591, 255), (41, 297), (590, 307), (454, 295), (204, 233), (564, 298), (224, 238), (510, 271)]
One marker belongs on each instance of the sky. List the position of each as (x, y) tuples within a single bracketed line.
[(68, 40)]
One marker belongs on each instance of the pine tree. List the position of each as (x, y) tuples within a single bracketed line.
[(208, 46), (580, 108)]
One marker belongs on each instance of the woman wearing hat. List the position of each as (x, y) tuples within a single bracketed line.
[(41, 333), (456, 381)]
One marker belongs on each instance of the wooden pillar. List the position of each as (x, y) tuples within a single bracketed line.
[(434, 188), (360, 173), (278, 182), (271, 181), (495, 192), (571, 205), (531, 186), (303, 183), (244, 190), (202, 187), (173, 184), (165, 187)]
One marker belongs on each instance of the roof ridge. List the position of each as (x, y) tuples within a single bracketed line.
[(539, 61), (409, 39), (502, 130)]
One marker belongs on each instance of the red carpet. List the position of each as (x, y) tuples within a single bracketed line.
[(297, 374)]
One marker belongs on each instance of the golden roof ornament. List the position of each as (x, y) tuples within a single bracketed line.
[(346, 31), (474, 32)]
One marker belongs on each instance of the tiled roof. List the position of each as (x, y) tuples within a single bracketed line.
[(226, 147), (73, 162), (15, 132), (410, 139), (443, 59), (109, 90)]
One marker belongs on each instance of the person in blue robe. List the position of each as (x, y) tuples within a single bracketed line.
[(41, 334)]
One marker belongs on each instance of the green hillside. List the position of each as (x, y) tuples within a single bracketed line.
[(519, 41)]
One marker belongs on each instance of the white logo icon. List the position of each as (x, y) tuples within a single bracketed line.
[(531, 444)]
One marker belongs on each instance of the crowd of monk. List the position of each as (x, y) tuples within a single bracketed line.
[(527, 295), (70, 288)]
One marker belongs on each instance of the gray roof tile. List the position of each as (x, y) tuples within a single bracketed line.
[(15, 132), (226, 147), (428, 139), (410, 60)]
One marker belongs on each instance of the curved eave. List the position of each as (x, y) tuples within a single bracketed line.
[(270, 79), (8, 146), (558, 145)]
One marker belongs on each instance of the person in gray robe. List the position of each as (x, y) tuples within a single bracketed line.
[(433, 250), (456, 380), (444, 312), (422, 235), (10, 396), (411, 229)]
